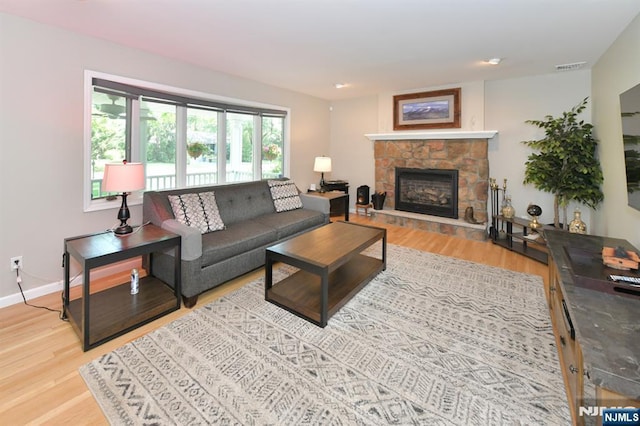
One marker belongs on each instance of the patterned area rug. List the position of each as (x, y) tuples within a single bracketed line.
[(432, 340)]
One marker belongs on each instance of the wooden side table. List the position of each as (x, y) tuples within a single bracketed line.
[(338, 202), (100, 316)]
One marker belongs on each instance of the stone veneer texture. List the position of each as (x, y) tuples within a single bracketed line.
[(468, 156), (431, 226)]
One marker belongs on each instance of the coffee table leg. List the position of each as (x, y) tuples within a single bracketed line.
[(346, 208), (268, 274), (324, 297), (384, 251)]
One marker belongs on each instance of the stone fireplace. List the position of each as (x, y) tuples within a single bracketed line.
[(464, 152)]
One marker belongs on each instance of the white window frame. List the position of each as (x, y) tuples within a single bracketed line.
[(90, 204)]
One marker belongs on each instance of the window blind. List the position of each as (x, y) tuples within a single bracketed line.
[(142, 93)]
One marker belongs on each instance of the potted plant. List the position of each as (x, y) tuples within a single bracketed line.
[(565, 163), (270, 152), (196, 149)]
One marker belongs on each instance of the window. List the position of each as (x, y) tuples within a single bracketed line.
[(158, 144), (202, 147), (240, 147), (108, 135), (272, 146), (183, 138)]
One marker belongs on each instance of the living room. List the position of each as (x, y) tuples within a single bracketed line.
[(53, 62), (41, 161)]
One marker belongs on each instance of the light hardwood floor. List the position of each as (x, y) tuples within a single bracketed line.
[(40, 354)]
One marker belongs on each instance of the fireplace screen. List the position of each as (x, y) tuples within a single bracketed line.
[(427, 191)]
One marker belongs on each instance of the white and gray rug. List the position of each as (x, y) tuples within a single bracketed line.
[(432, 340)]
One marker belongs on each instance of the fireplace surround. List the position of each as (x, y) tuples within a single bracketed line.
[(465, 151)]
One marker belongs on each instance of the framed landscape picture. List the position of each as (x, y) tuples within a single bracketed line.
[(439, 109)]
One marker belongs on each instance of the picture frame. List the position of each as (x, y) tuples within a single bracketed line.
[(438, 109)]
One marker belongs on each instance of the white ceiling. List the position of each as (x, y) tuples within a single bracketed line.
[(372, 45)]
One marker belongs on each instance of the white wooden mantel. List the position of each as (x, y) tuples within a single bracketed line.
[(395, 136)]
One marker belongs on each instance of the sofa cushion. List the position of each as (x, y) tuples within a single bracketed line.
[(242, 201), (292, 222), (198, 210), (235, 239), (285, 195)]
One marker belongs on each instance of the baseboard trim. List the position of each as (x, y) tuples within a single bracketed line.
[(54, 287), (33, 293)]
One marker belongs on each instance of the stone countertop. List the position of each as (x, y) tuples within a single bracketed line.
[(607, 325)]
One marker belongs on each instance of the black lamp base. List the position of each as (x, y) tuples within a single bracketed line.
[(123, 229), (123, 216), (322, 183)]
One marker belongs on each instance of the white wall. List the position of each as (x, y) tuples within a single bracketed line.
[(351, 152), (351, 119), (471, 105), (41, 106), (508, 104), (617, 71), (502, 105), (41, 152)]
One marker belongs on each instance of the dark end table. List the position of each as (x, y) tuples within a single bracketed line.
[(338, 202), (100, 316)]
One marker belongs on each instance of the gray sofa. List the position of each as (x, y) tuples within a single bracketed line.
[(251, 225)]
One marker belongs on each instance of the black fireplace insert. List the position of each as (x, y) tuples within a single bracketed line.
[(427, 191)]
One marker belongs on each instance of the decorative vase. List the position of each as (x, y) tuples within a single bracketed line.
[(508, 211), (577, 226)]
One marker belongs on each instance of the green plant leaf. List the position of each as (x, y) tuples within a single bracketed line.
[(566, 164)]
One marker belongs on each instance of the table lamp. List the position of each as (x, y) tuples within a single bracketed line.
[(123, 177), (322, 165)]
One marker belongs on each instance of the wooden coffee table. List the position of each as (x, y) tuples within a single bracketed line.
[(332, 269)]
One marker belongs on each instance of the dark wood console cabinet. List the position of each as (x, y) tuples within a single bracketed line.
[(596, 332)]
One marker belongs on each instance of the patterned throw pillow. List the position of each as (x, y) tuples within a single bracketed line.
[(198, 210), (285, 195)]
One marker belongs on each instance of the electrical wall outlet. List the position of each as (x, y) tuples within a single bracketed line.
[(16, 263)]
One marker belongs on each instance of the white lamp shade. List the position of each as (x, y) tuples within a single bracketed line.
[(123, 177), (322, 164)]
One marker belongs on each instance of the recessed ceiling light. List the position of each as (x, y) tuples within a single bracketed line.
[(340, 85), (494, 61)]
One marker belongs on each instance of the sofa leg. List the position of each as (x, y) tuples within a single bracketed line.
[(190, 302)]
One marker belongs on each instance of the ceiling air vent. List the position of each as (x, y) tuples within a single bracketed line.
[(570, 67)]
